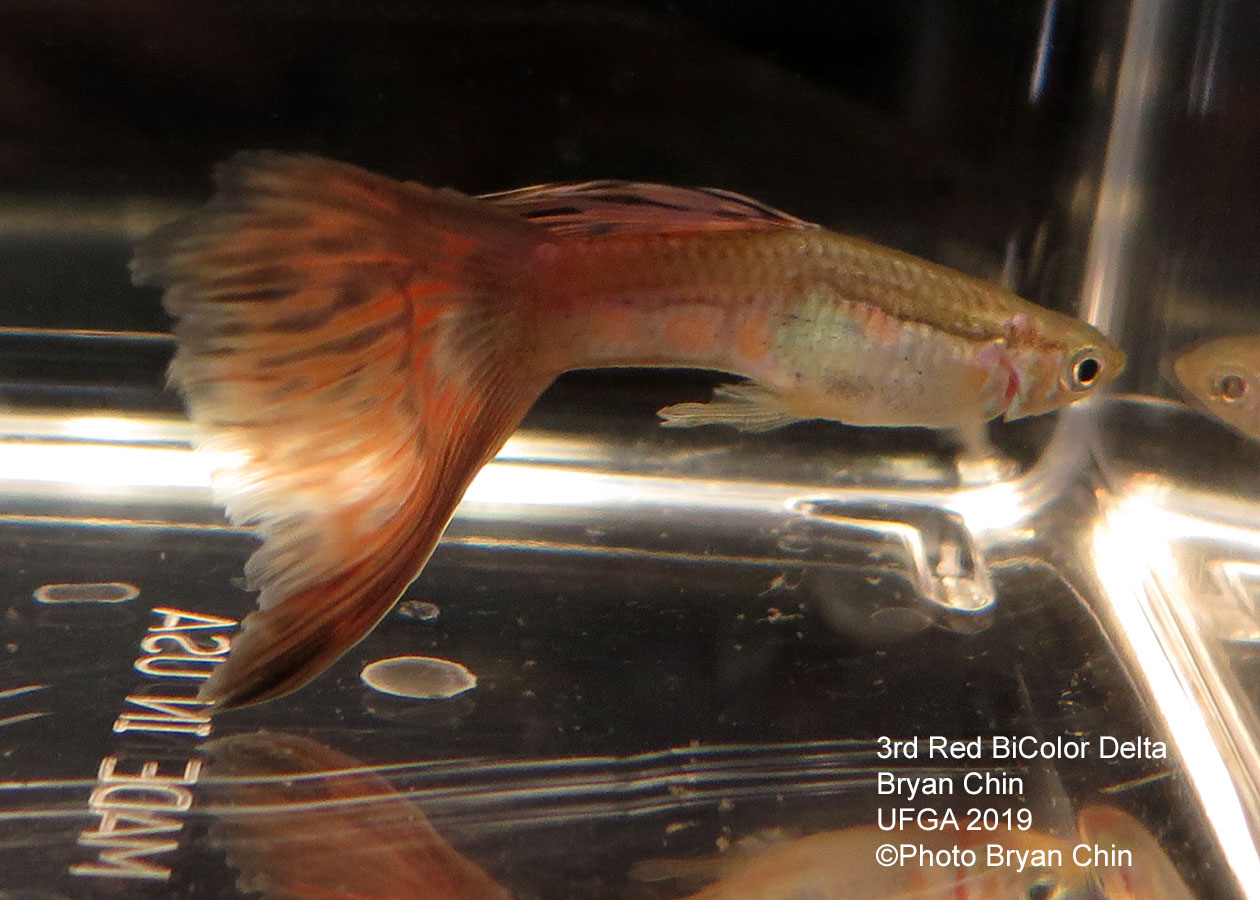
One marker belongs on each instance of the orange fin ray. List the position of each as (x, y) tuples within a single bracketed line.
[(300, 821), (599, 208), (350, 347)]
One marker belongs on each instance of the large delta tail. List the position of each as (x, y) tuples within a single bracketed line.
[(351, 348)]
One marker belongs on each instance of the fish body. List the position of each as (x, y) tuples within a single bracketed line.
[(356, 348), (826, 326), (1222, 377)]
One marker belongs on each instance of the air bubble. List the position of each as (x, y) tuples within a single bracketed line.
[(418, 677), (87, 592), (419, 610)]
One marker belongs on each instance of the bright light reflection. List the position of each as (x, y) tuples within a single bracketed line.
[(1197, 515), (525, 446), (512, 484), (507, 484), (104, 466), (113, 429), (1131, 545), (116, 453), (995, 507), (100, 466), (125, 430)]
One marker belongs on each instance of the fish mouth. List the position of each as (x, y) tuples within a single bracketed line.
[(1181, 370), (1012, 386), (1168, 369)]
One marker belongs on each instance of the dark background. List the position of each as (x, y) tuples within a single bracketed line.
[(940, 127), (974, 132)]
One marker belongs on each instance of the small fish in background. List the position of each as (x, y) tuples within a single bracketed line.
[(355, 349), (842, 865), (300, 821), (1222, 377), (1152, 876)]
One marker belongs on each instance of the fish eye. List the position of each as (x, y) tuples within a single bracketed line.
[(1042, 889), (1084, 369), (1230, 388), (1087, 370)]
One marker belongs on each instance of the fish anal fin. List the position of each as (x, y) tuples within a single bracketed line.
[(601, 208), (748, 407)]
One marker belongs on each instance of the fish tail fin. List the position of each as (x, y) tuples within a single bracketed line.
[(353, 349)]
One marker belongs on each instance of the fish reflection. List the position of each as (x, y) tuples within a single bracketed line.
[(354, 836), (321, 838), (1222, 377)]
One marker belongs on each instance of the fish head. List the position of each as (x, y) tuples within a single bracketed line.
[(1222, 377), (1058, 365), (1065, 881)]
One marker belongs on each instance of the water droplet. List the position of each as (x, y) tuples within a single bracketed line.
[(419, 610), (87, 592), (419, 677), (896, 622)]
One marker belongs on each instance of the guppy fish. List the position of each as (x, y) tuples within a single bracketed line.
[(1222, 377), (1151, 876), (300, 821), (842, 865), (356, 348)]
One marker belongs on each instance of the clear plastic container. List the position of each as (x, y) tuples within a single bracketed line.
[(653, 660)]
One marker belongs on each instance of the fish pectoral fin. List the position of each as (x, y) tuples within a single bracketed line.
[(748, 407)]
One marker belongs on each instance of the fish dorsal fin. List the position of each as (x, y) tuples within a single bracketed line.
[(601, 208)]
